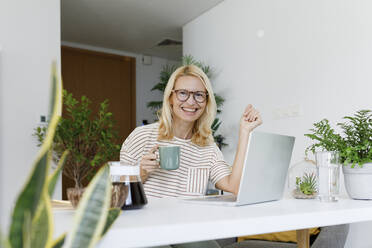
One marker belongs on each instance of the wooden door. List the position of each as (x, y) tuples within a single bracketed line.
[(101, 76)]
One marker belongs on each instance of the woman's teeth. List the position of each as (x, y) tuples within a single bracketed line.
[(189, 109)]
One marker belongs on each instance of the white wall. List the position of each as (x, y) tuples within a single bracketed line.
[(146, 77), (313, 55), (30, 41)]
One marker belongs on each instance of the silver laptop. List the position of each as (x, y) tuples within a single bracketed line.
[(264, 174)]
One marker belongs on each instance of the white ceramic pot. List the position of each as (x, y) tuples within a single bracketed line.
[(358, 181)]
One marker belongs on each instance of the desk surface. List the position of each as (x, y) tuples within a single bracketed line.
[(171, 221)]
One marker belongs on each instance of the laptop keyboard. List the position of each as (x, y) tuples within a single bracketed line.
[(223, 198)]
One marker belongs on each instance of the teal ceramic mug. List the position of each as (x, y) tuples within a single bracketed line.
[(169, 157)]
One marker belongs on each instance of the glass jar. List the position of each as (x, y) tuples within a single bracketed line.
[(127, 188), (328, 164), (302, 179)]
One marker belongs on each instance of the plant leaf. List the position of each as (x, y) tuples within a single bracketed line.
[(111, 217), (159, 86), (219, 100), (26, 235), (32, 191), (4, 242), (52, 180), (354, 145), (215, 125), (42, 224), (92, 212), (58, 243), (155, 105), (28, 200)]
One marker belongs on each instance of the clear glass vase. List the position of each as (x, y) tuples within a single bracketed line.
[(328, 169)]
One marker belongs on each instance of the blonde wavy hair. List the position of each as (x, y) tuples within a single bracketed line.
[(201, 132)]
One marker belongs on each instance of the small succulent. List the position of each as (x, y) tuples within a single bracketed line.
[(307, 184)]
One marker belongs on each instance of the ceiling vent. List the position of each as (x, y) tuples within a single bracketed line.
[(169, 42)]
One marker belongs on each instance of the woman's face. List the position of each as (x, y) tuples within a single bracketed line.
[(188, 109)]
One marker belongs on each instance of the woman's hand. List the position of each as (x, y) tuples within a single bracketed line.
[(250, 119), (149, 163)]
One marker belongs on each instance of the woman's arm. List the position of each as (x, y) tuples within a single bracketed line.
[(250, 119)]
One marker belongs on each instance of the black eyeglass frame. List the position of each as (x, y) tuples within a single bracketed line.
[(193, 95)]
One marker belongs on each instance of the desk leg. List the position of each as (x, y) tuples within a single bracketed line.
[(303, 238)]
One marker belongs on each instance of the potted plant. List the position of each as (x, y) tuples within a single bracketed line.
[(32, 219), (354, 147), (305, 186), (91, 141)]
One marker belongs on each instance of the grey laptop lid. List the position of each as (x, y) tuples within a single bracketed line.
[(265, 168), (264, 174)]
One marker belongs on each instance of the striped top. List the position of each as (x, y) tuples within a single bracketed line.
[(198, 165)]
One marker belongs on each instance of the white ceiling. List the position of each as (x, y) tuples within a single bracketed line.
[(130, 25)]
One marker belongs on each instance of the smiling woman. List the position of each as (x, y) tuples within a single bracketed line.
[(185, 120)]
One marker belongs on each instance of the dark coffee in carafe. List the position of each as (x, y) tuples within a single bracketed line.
[(128, 192), (136, 196)]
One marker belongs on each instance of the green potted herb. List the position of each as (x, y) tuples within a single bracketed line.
[(32, 218), (354, 147), (91, 141)]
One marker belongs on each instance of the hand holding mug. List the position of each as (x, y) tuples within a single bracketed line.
[(149, 163), (169, 159)]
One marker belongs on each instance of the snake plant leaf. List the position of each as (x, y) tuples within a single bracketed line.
[(55, 106), (58, 243), (111, 217), (26, 237), (52, 180), (28, 201), (92, 211), (4, 242), (42, 224), (31, 193)]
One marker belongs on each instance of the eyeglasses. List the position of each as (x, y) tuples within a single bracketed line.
[(183, 95)]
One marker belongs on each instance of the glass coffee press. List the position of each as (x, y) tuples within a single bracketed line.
[(127, 188)]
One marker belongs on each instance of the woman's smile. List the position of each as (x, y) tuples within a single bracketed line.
[(190, 110)]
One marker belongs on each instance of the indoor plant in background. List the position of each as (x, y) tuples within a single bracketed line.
[(354, 147), (164, 77), (32, 221), (91, 141)]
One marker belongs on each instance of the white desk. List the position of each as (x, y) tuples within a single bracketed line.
[(170, 221)]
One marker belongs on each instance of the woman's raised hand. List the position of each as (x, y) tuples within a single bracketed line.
[(250, 119), (149, 163)]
